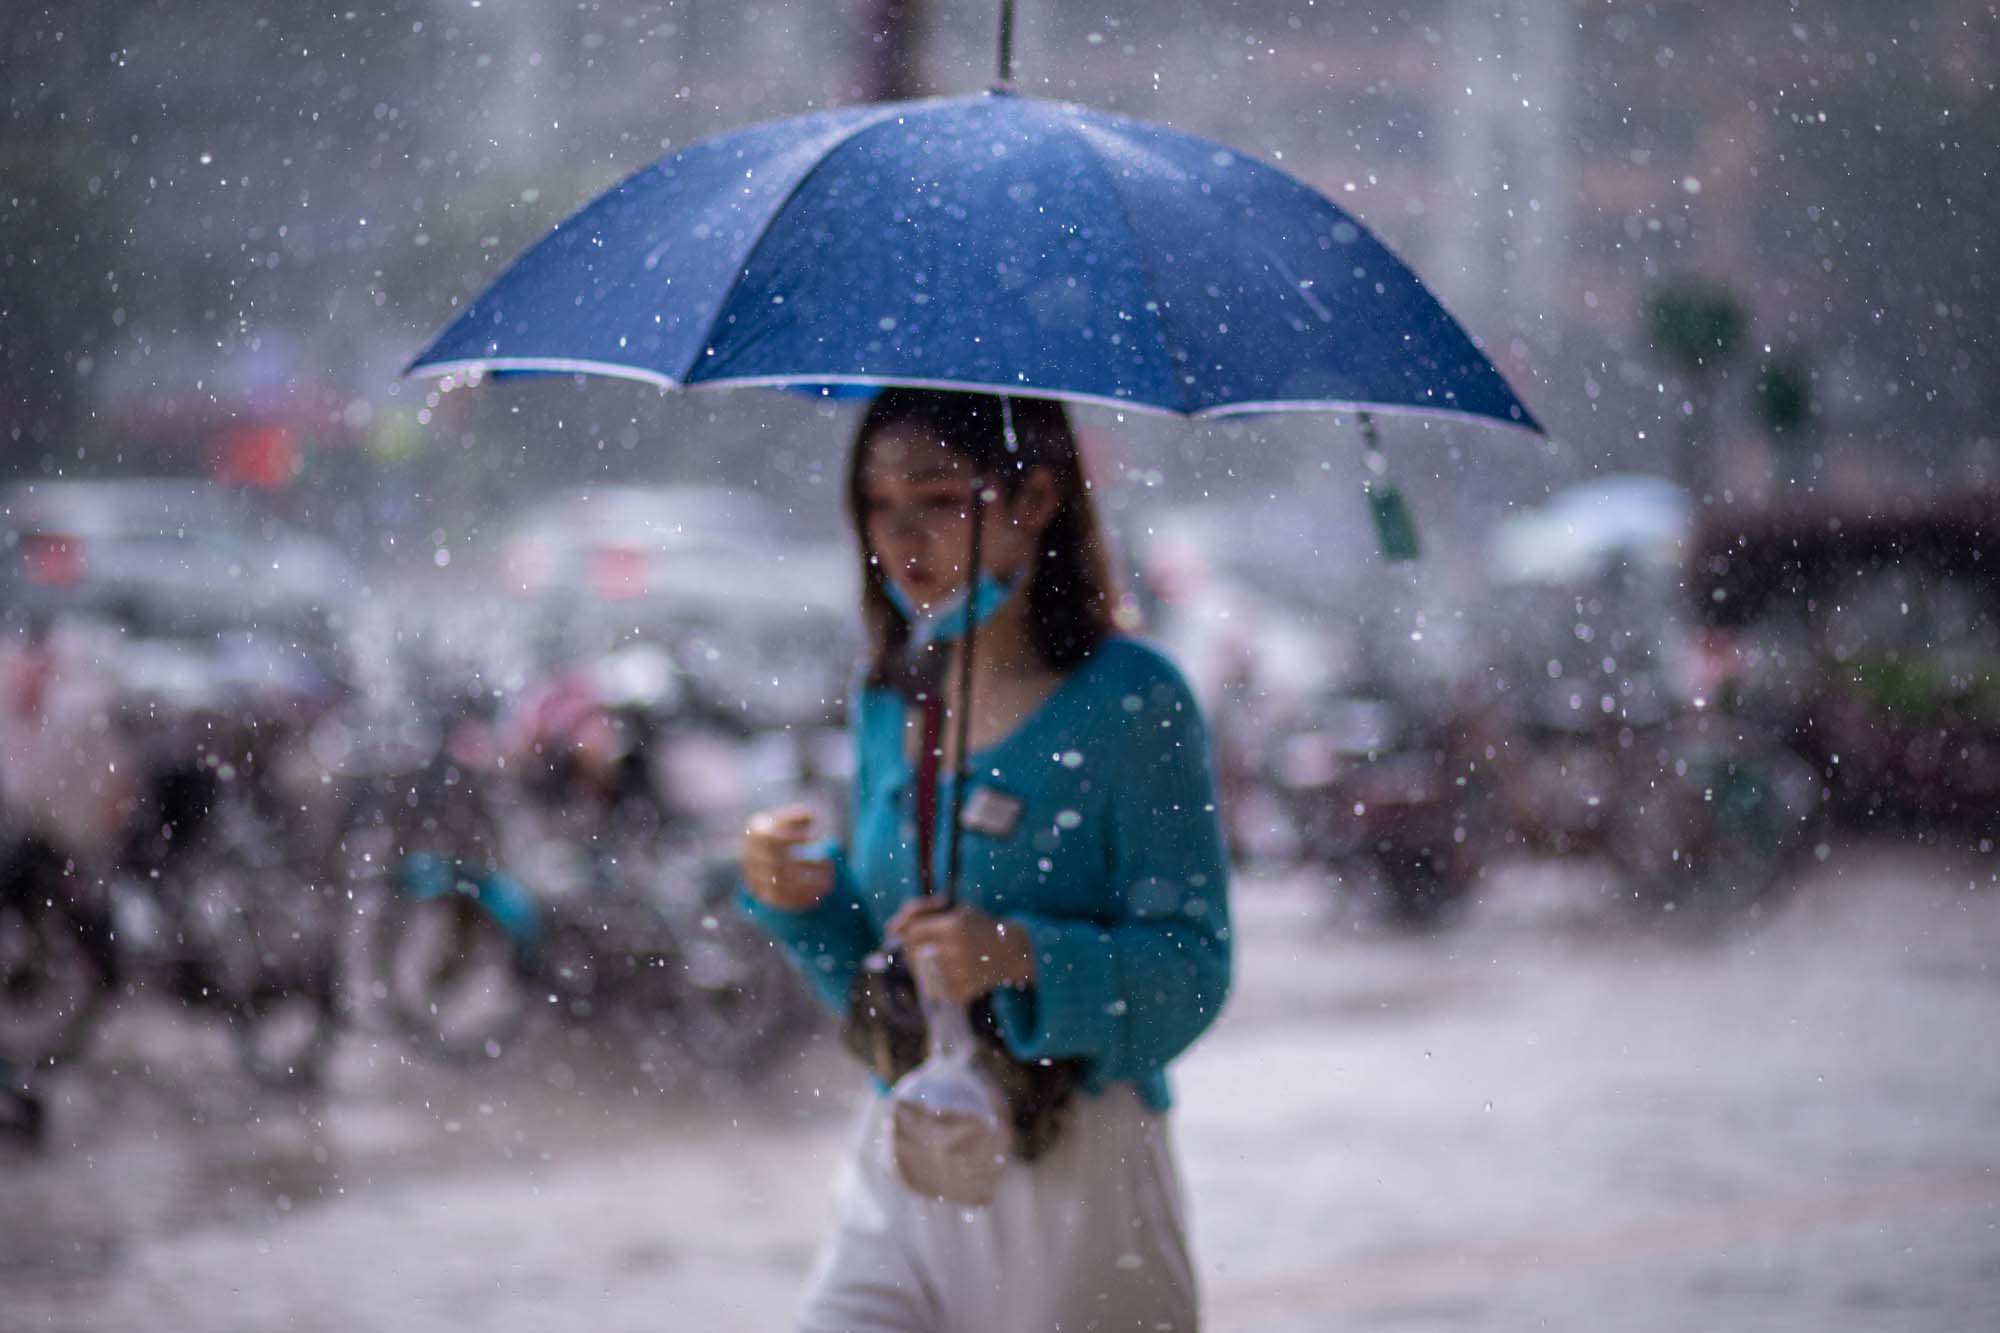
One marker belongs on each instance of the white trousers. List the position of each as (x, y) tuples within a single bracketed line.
[(1090, 1237)]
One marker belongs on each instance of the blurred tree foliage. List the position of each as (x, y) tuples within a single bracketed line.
[(1784, 396), (1696, 325)]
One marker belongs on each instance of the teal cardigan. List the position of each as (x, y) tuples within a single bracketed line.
[(1113, 863)]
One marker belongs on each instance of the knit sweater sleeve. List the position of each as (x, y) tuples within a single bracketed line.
[(1131, 992), (826, 941)]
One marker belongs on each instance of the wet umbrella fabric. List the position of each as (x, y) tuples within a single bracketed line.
[(991, 242)]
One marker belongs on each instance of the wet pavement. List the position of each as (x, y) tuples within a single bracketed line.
[(1546, 1118)]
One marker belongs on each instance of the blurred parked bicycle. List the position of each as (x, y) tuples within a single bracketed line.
[(540, 857)]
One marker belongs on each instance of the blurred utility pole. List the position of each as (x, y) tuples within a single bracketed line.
[(1699, 328), (1509, 154), (892, 38), (62, 235)]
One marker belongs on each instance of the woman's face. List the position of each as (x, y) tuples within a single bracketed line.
[(916, 511)]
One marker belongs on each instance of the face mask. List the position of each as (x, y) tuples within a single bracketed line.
[(948, 619)]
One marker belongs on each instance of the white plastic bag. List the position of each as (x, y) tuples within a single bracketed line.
[(948, 1125)]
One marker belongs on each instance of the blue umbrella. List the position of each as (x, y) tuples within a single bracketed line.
[(992, 242)]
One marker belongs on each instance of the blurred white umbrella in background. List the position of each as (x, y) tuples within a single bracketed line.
[(1586, 529)]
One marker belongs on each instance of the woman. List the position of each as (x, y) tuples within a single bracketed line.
[(1092, 907)]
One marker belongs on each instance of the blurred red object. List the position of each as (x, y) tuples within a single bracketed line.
[(265, 456), (1717, 662), (618, 572), (52, 560)]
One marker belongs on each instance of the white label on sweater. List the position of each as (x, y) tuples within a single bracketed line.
[(991, 812)]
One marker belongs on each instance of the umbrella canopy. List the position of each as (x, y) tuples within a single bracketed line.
[(992, 242)]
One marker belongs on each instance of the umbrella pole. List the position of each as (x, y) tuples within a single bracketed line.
[(961, 769), (1006, 45)]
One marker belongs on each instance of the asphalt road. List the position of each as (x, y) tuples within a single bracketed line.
[(1549, 1118)]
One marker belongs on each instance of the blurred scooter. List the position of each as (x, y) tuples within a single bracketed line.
[(1373, 785)]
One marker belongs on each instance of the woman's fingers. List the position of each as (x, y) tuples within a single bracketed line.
[(772, 871), (954, 936), (791, 823), (913, 910)]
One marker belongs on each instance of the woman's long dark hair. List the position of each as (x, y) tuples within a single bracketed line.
[(1070, 594)]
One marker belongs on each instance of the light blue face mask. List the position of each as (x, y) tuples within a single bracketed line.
[(947, 620)]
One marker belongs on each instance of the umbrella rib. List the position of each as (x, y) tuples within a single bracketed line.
[(889, 111), (1146, 269)]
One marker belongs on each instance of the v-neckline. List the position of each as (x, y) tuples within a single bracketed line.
[(977, 758)]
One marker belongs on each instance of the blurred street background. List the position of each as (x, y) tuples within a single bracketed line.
[(1537, 1122), (1619, 929)]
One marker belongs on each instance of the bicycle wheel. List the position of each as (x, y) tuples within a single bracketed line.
[(454, 978), (284, 1036), (54, 968), (737, 1005)]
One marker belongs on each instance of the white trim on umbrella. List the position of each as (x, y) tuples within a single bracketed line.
[(1379, 409), (546, 365), (556, 365)]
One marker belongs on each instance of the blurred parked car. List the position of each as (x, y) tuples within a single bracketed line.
[(752, 614), (618, 542), (158, 547)]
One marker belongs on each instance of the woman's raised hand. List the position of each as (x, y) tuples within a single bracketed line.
[(773, 871)]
